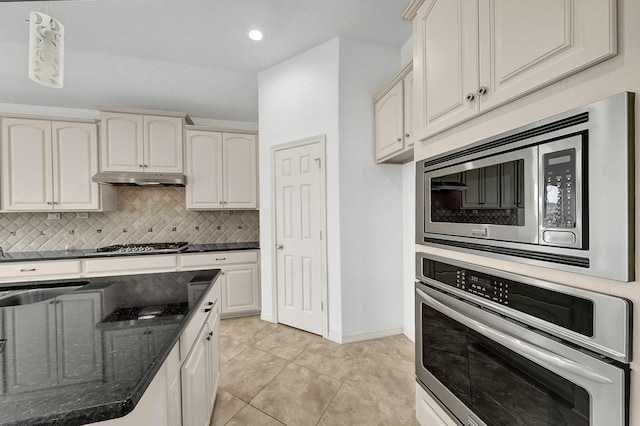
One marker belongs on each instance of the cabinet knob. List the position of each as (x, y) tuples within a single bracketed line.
[(470, 97), (140, 165), (482, 90), (49, 202), (208, 337), (207, 310), (407, 135), (399, 139), (279, 246)]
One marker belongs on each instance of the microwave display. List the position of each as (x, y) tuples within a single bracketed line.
[(560, 189), (484, 195)]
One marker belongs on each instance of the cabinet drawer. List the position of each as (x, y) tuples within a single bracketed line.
[(217, 259), (28, 271), (130, 265), (209, 304)]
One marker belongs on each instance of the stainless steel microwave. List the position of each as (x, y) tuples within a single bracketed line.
[(555, 193)]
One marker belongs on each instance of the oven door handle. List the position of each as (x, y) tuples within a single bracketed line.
[(527, 349)]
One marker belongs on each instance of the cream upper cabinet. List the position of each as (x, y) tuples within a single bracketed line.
[(472, 56), (393, 118), (221, 170), (141, 142), (240, 170), (48, 165)]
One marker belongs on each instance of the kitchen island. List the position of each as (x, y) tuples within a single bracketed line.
[(78, 351)]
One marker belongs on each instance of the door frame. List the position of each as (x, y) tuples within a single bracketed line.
[(319, 139)]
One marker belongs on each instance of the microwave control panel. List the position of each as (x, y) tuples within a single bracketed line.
[(559, 207)]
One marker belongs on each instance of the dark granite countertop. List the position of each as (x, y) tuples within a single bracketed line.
[(89, 354), (28, 256)]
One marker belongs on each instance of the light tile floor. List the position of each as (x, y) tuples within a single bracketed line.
[(272, 374)]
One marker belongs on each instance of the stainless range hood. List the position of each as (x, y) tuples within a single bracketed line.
[(139, 179)]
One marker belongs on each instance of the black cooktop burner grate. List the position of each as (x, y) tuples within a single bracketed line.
[(144, 248)]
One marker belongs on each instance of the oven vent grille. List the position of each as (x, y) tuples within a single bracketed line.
[(540, 130), (580, 262)]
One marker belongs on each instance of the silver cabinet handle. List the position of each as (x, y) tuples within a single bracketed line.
[(279, 246), (482, 90), (518, 345), (221, 258), (28, 270), (470, 97)]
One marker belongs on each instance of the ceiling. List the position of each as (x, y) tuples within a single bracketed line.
[(194, 34)]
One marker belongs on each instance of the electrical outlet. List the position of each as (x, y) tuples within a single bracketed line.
[(82, 215), (225, 213), (53, 216)]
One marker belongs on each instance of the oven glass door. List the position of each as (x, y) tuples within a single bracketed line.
[(477, 372), (493, 198), (497, 384)]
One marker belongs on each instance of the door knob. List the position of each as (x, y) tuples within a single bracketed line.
[(279, 246)]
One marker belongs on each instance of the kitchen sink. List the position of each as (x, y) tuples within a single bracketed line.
[(26, 297)]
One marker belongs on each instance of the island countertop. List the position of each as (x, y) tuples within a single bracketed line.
[(89, 354)]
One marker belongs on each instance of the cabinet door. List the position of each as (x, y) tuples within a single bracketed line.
[(79, 343), (213, 355), (126, 355), (240, 289), (121, 142), (162, 144), (389, 122), (30, 331), (409, 137), (445, 64), (240, 170), (75, 161), (195, 383), (525, 45), (26, 165), (204, 170)]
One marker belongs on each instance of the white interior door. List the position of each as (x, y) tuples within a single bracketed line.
[(299, 204)]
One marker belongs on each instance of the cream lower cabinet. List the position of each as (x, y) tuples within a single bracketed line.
[(200, 373), (472, 56), (48, 165), (239, 279), (428, 412), (46, 325), (221, 170)]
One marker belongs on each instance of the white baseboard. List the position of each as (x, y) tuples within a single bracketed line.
[(367, 335), (267, 318)]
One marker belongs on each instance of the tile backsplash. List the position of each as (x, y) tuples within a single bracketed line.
[(144, 215)]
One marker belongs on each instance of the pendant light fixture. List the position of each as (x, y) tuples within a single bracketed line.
[(46, 50)]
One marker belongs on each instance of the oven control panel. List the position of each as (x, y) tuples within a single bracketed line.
[(482, 285), (559, 189)]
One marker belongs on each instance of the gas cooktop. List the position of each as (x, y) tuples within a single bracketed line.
[(140, 248)]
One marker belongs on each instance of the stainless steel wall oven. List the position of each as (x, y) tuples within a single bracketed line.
[(494, 348), (556, 193)]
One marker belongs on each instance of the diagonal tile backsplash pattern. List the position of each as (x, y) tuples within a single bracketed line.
[(144, 215)]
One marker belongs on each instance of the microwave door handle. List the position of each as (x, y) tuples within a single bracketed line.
[(536, 353)]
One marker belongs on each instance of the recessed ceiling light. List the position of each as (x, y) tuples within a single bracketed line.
[(254, 34)]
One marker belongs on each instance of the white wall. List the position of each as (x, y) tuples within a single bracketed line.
[(298, 99), (98, 79), (408, 225), (370, 199), (618, 74), (329, 90)]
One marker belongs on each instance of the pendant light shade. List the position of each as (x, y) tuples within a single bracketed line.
[(46, 50)]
